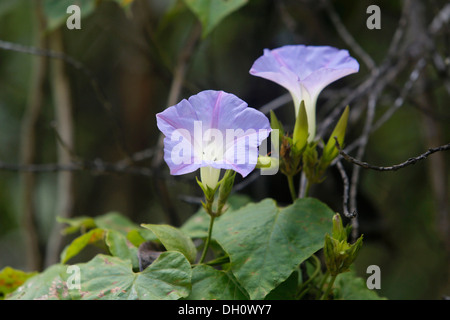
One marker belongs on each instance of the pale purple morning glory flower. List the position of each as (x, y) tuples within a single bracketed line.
[(305, 71), (212, 130)]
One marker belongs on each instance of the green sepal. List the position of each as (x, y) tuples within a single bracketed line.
[(275, 124), (339, 232), (209, 196), (310, 159), (330, 150), (207, 190), (352, 253), (226, 185), (300, 135)]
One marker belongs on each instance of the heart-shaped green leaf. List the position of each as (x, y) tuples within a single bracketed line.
[(111, 220), (266, 243), (110, 278), (47, 285)]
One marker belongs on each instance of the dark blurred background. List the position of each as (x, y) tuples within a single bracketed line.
[(140, 58)]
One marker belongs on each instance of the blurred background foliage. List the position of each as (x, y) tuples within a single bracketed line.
[(136, 51)]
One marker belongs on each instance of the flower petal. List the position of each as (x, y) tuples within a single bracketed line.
[(314, 67), (212, 128)]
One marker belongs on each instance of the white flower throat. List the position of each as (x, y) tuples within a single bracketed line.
[(212, 151)]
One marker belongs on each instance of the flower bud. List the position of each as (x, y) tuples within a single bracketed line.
[(275, 124), (310, 159), (339, 232), (209, 177), (331, 151), (339, 254), (267, 162)]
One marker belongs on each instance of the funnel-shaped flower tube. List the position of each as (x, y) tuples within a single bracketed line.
[(305, 71), (212, 130)]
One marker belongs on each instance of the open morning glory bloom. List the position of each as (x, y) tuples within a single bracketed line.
[(212, 130), (305, 71)]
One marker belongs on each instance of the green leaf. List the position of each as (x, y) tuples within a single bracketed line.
[(330, 150), (119, 246), (81, 242), (197, 225), (275, 124), (287, 290), (138, 236), (212, 12), (11, 279), (266, 243), (110, 278), (56, 10), (212, 284), (350, 287), (115, 221), (112, 228), (77, 224), (47, 285), (111, 220), (174, 239)]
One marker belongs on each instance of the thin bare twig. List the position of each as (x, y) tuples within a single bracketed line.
[(441, 20), (414, 75), (371, 106), (395, 167), (394, 46), (398, 103)]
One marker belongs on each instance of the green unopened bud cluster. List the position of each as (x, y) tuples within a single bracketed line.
[(297, 154), (338, 252)]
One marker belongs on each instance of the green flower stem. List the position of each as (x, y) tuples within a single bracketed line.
[(304, 186), (208, 239), (308, 185), (329, 288), (218, 261), (292, 187), (322, 284), (303, 289)]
